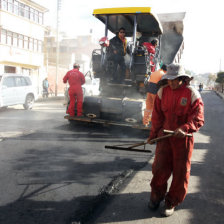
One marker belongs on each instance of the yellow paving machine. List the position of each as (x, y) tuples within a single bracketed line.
[(124, 104)]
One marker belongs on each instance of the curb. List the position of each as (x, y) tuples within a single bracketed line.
[(221, 95), (52, 98)]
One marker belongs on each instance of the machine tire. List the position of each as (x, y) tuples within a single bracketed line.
[(29, 102)]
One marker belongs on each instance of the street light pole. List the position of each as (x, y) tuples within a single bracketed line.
[(57, 47)]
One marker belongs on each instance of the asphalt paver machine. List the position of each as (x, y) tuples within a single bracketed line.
[(124, 104)]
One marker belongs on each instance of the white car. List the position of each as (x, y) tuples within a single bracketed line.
[(16, 89), (91, 87)]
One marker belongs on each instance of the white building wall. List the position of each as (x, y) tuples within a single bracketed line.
[(23, 58), (21, 25)]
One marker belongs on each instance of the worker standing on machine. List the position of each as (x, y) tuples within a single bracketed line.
[(117, 50), (151, 48)]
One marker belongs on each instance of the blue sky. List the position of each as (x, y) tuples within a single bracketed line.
[(203, 28)]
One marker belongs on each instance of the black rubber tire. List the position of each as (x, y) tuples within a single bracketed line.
[(29, 102)]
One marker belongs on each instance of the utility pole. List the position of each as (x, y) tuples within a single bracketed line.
[(57, 47), (220, 65)]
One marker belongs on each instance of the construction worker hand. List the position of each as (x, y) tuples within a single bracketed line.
[(149, 141), (179, 133)]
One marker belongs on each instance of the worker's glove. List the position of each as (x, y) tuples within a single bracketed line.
[(179, 133), (149, 141)]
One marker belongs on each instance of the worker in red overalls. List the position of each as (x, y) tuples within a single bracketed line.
[(75, 79), (152, 89), (178, 107), (151, 48)]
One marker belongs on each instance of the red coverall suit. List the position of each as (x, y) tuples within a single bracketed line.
[(180, 108), (75, 79), (151, 49)]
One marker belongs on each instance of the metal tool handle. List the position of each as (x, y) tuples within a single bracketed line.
[(172, 132), (138, 144), (160, 138)]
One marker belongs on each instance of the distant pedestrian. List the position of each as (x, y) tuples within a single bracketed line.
[(75, 79), (45, 87), (200, 87), (179, 108)]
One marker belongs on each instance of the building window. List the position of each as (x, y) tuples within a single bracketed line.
[(35, 45), (9, 69), (26, 44), (31, 44), (21, 9), (26, 71), (31, 14), (16, 8), (9, 37), (15, 40), (3, 36), (10, 5), (39, 46), (36, 16), (27, 12), (20, 41), (4, 4), (41, 18)]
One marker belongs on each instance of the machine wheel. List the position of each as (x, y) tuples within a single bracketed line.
[(29, 102), (131, 120)]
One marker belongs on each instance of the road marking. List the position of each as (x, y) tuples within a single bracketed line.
[(12, 134)]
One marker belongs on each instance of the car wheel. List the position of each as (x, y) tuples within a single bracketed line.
[(29, 102)]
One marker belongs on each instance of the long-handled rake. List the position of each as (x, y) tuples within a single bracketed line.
[(131, 147)]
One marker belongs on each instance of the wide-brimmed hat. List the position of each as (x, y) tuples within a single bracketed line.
[(174, 71)]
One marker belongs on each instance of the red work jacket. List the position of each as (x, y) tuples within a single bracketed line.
[(151, 48), (180, 108), (75, 79)]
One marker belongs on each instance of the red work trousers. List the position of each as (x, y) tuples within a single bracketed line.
[(149, 106), (76, 96), (172, 156)]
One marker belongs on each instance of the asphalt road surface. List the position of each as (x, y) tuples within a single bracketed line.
[(204, 202), (51, 172)]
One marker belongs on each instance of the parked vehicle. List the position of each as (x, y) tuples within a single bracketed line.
[(16, 89), (91, 87)]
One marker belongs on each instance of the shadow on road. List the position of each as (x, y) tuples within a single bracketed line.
[(205, 204), (68, 162)]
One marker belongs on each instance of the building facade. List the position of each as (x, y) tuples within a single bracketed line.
[(71, 50), (21, 39)]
